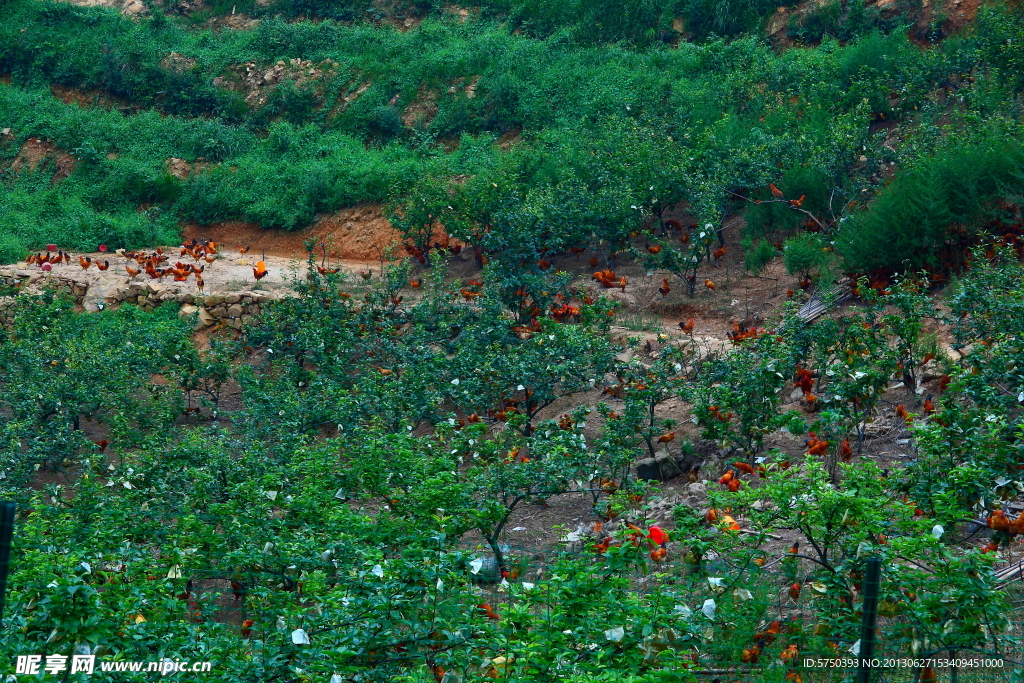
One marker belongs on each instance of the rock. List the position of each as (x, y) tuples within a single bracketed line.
[(218, 311), (96, 296), (697, 488), (235, 310), (214, 299), (188, 310), (930, 371), (235, 323), (205, 318), (625, 356), (232, 298), (667, 466), (648, 470)]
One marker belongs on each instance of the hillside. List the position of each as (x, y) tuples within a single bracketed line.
[(587, 341)]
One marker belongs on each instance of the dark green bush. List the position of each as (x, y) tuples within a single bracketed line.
[(911, 219), (11, 249), (803, 254), (758, 257)]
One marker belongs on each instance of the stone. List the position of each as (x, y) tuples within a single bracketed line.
[(142, 299), (697, 488), (235, 310), (214, 299), (188, 310), (205, 318), (930, 371), (667, 466), (218, 311), (232, 298), (153, 287), (648, 470), (235, 323)]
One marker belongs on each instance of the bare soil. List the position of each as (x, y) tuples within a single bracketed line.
[(360, 233)]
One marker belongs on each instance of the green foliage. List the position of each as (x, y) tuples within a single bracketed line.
[(758, 257), (943, 200), (803, 254), (844, 21), (771, 218), (11, 249)]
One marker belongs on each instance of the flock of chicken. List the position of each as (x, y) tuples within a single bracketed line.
[(155, 264)]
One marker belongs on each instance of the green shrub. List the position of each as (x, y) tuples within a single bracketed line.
[(11, 249), (758, 257), (911, 219), (803, 254)]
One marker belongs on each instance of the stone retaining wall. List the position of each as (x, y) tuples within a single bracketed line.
[(233, 309)]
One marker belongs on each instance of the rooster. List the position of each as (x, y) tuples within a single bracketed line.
[(666, 437), (794, 591), (845, 452), (247, 628), (664, 289), (929, 407), (816, 446), (656, 249), (751, 655), (687, 327), (709, 284), (260, 271), (902, 413), (743, 467), (776, 192), (717, 254)]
